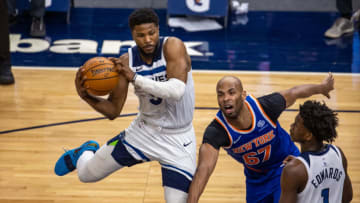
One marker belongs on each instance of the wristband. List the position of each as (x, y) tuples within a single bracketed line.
[(134, 78)]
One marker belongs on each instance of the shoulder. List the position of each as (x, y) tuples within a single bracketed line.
[(175, 53), (343, 157), (173, 40), (216, 135), (172, 43), (293, 179), (272, 99), (295, 169), (294, 165), (273, 105), (215, 126)]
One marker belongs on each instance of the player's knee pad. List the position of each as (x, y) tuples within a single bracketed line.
[(173, 195)]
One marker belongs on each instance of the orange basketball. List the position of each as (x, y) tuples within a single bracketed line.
[(101, 78)]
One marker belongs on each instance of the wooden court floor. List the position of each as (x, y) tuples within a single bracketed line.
[(46, 100)]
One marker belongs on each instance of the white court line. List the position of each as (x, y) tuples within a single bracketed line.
[(203, 71), (45, 68)]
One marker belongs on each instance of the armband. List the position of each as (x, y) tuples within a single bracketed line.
[(171, 89)]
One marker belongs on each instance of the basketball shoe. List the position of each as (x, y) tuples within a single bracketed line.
[(341, 26), (67, 162)]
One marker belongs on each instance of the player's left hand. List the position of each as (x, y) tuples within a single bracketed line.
[(327, 85), (122, 66), (287, 160)]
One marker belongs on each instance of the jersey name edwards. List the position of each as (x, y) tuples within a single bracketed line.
[(326, 173)]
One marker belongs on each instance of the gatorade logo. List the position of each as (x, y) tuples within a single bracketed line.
[(198, 5)]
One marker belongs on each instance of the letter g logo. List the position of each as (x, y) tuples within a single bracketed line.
[(198, 5)]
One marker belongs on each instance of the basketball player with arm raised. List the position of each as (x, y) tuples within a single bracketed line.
[(319, 174), (160, 70), (248, 130)]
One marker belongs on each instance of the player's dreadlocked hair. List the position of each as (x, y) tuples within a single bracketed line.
[(320, 120), (141, 16)]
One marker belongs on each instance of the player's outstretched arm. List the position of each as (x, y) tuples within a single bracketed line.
[(208, 157), (110, 107), (347, 190), (307, 90)]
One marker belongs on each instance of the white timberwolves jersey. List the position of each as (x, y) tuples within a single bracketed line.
[(165, 113), (326, 176)]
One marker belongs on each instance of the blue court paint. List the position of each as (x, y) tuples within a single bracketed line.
[(269, 41)]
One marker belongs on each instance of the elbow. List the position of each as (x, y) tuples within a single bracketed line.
[(112, 116), (178, 89), (178, 95)]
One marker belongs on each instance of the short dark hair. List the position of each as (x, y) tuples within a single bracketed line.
[(320, 120), (141, 16)]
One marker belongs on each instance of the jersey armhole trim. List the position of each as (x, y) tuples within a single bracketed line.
[(263, 112), (227, 132), (337, 150), (162, 50), (130, 57), (304, 162)]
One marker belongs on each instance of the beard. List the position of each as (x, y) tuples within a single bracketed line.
[(149, 55), (232, 115), (236, 111)]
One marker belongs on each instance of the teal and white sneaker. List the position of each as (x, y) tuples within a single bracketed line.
[(67, 162)]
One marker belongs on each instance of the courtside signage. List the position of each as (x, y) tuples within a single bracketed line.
[(88, 46)]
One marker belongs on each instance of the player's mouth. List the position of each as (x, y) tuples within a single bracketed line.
[(149, 48), (228, 108)]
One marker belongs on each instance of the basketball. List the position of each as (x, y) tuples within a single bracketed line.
[(101, 78)]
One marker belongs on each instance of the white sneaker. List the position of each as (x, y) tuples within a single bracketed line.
[(340, 27)]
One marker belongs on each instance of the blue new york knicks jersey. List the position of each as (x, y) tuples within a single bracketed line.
[(262, 148)]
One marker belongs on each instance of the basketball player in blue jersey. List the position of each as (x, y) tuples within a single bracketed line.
[(160, 70), (248, 129), (319, 174)]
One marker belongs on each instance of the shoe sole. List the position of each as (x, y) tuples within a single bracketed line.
[(337, 36), (7, 82)]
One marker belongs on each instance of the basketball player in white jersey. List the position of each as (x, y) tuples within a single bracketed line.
[(160, 70), (319, 174)]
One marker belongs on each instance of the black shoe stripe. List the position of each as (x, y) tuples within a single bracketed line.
[(68, 163)]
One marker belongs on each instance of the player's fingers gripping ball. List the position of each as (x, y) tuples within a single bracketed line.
[(101, 76)]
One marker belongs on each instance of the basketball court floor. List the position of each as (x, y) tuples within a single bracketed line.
[(269, 51)]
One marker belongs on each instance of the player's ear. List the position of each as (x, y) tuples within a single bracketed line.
[(243, 95), (308, 136)]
